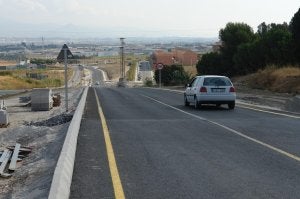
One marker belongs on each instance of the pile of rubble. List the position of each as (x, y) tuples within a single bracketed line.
[(10, 157), (53, 121)]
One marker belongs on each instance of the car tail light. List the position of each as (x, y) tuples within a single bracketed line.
[(232, 90), (203, 89)]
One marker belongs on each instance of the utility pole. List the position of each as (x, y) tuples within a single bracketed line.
[(122, 65), (43, 49)]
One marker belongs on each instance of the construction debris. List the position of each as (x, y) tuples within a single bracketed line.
[(12, 155), (14, 158), (56, 100), (54, 121)]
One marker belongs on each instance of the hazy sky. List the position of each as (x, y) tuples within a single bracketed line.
[(200, 18)]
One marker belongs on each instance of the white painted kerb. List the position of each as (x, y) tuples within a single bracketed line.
[(62, 178)]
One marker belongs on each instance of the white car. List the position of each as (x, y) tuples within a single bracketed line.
[(210, 89)]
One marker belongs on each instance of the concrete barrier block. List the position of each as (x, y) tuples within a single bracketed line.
[(3, 118), (41, 99)]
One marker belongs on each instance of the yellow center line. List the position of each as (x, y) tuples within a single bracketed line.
[(117, 184)]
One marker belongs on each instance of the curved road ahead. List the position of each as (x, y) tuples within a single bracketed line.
[(165, 150)]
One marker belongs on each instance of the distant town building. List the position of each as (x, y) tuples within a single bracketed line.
[(108, 53), (144, 71), (8, 67), (3, 68), (177, 56), (145, 66)]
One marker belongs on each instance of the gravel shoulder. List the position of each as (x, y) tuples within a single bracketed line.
[(279, 101)]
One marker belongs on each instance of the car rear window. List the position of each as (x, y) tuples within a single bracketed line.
[(216, 81)]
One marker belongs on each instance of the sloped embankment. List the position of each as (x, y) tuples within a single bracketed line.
[(281, 80)]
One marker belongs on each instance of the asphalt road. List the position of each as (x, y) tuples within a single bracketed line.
[(165, 150), (97, 75)]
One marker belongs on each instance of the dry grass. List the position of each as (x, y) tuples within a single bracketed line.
[(284, 80), (18, 79), (11, 83), (7, 63), (113, 70), (112, 64), (192, 70)]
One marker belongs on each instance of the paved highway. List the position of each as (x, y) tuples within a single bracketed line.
[(154, 147), (97, 75)]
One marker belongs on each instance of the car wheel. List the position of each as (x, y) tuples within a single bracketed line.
[(196, 103), (186, 103), (231, 105)]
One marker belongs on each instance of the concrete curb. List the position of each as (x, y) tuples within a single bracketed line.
[(62, 178), (104, 74)]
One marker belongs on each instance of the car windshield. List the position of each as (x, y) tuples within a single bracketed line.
[(216, 81)]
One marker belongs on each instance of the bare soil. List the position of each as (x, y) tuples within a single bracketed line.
[(45, 132)]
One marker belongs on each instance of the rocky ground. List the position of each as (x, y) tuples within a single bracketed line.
[(44, 131), (280, 101)]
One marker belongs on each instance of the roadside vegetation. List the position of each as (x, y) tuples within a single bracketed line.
[(172, 75), (7, 63), (19, 79), (111, 64), (131, 72), (271, 55), (43, 61), (282, 80)]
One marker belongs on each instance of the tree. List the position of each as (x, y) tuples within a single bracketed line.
[(295, 30), (233, 35), (277, 43), (262, 29), (172, 75), (211, 64)]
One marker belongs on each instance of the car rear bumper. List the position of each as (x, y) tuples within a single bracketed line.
[(216, 99)]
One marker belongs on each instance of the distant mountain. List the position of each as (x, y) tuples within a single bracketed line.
[(49, 30)]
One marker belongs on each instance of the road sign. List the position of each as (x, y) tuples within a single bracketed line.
[(61, 56), (159, 66)]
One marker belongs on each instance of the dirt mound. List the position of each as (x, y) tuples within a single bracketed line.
[(281, 80)]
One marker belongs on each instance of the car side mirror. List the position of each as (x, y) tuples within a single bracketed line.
[(187, 85)]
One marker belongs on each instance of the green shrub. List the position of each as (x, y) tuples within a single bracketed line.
[(5, 73), (148, 83), (172, 75)]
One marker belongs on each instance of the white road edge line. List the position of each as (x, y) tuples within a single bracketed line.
[(230, 130), (243, 105), (271, 112)]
